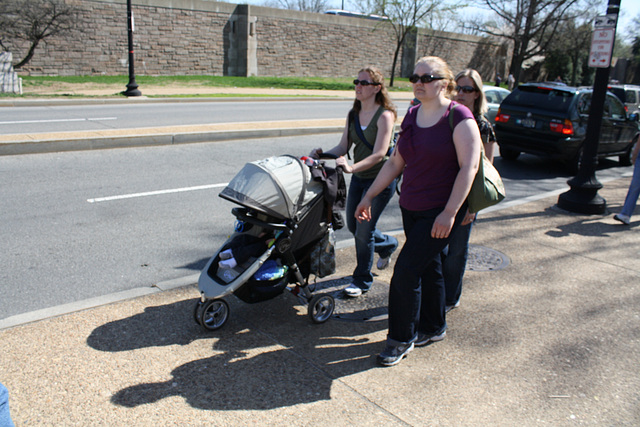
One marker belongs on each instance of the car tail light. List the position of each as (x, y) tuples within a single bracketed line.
[(501, 117), (565, 128)]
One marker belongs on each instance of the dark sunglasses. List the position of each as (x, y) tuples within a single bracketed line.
[(425, 78), (466, 89), (364, 83)]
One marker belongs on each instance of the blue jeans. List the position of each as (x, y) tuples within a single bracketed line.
[(634, 191), (454, 262), (368, 238), (5, 417), (417, 293)]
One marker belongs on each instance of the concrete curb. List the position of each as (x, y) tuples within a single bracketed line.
[(101, 143)]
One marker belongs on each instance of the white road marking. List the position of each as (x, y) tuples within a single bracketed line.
[(94, 119), (155, 193)]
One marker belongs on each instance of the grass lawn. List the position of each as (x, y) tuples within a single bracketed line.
[(35, 85)]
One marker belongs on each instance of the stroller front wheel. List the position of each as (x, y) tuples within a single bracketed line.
[(213, 314), (321, 308)]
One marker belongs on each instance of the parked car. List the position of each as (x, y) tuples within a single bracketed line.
[(629, 95), (495, 95), (548, 119)]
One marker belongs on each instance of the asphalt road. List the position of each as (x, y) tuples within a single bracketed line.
[(154, 114), (77, 225)]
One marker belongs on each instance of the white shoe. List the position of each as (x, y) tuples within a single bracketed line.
[(352, 291), (622, 218), (383, 262)]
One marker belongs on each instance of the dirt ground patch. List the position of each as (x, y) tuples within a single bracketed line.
[(91, 89)]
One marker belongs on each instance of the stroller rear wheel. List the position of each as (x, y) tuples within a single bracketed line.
[(212, 314), (321, 308)]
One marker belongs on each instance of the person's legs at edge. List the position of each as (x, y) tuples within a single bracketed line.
[(5, 416), (454, 262), (633, 192)]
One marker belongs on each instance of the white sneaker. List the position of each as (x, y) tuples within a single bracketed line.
[(383, 263), (622, 218), (352, 291)]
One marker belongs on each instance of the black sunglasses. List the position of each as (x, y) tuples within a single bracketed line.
[(364, 83), (466, 89), (425, 78)]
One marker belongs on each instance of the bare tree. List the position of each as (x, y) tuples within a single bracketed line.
[(34, 21), (531, 25), (302, 5), (404, 18)]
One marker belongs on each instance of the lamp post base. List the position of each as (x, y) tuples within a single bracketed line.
[(585, 200), (132, 89)]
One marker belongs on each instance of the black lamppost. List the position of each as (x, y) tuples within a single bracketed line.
[(132, 86), (583, 196)]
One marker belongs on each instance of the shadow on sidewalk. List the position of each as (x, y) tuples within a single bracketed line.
[(269, 355)]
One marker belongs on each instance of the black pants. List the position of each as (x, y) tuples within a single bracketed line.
[(417, 292)]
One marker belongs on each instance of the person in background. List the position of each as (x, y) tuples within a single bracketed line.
[(5, 416), (634, 188), (511, 81), (498, 79), (454, 257), (438, 166), (376, 115)]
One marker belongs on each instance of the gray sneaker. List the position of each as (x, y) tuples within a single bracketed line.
[(622, 218), (383, 262), (448, 308), (424, 339), (392, 354)]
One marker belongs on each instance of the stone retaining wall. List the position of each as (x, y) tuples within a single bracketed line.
[(201, 37), (9, 80)]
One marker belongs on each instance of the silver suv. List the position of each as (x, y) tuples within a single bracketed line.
[(629, 95)]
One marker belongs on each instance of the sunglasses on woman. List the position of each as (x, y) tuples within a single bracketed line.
[(466, 89), (364, 83), (425, 78)]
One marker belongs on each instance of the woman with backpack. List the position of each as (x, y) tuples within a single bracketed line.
[(369, 128), (439, 161)]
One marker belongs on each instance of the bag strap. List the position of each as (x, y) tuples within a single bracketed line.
[(453, 106), (356, 124)]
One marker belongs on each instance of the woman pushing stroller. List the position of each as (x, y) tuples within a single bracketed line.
[(375, 115)]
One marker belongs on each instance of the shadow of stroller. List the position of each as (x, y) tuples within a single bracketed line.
[(269, 356)]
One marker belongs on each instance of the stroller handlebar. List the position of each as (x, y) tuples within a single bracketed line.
[(243, 214)]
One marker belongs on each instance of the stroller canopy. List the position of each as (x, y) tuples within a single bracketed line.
[(278, 186)]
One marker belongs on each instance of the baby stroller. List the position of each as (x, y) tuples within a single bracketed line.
[(284, 213)]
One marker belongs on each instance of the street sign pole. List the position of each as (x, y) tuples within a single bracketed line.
[(583, 195)]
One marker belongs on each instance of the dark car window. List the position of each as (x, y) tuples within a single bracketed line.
[(615, 108), (631, 97), (619, 92), (492, 97), (584, 105), (543, 98)]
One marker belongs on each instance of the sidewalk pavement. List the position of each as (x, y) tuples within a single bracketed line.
[(549, 337), (553, 338)]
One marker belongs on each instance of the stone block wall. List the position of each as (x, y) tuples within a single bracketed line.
[(204, 37), (9, 80)]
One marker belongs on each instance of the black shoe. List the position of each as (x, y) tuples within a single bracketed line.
[(448, 308), (392, 354), (424, 339)]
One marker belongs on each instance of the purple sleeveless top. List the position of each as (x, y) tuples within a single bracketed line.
[(431, 160)]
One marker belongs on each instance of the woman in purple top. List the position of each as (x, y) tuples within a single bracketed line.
[(438, 167)]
